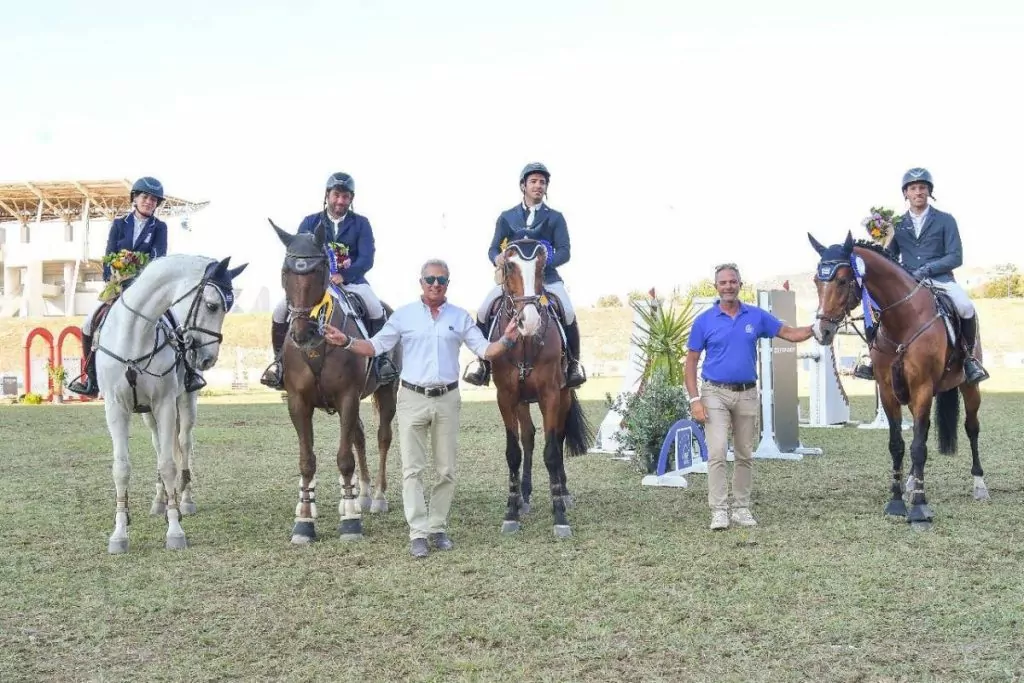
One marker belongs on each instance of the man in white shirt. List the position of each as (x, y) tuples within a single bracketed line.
[(431, 331)]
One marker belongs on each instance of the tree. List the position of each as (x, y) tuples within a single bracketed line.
[(609, 301), (1008, 271)]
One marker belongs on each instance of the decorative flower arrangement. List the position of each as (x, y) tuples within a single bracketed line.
[(339, 254), (881, 224), (124, 265)]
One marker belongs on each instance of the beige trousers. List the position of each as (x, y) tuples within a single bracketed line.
[(736, 411), (419, 416)]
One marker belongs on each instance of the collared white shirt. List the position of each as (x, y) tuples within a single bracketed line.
[(918, 221), (430, 348), (337, 223), (138, 227), (531, 212)]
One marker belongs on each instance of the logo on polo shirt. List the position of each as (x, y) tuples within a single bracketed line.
[(749, 329)]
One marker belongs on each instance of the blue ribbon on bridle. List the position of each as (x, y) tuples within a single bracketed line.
[(867, 302)]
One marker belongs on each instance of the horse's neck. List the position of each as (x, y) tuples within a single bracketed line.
[(882, 277), (152, 301)]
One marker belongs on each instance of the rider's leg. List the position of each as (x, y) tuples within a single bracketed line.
[(969, 328), (90, 387), (382, 365), (481, 375), (575, 375), (862, 370), (273, 377)]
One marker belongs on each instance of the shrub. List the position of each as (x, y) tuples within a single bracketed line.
[(646, 418), (609, 301)]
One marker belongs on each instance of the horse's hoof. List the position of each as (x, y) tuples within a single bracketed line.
[(981, 495), (350, 529), (158, 509), (188, 508), (365, 504), (921, 526), (920, 513), (510, 526), (896, 508), (117, 546), (563, 531), (303, 533), (176, 542), (379, 505)]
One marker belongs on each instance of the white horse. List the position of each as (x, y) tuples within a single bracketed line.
[(171, 315)]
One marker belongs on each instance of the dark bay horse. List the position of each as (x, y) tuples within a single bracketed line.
[(318, 375), (534, 372), (913, 358)]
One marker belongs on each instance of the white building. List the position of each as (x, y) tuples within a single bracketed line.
[(52, 241)]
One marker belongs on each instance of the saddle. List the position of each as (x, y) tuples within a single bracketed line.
[(553, 303)]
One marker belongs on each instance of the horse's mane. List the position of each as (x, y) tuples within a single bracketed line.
[(882, 251)]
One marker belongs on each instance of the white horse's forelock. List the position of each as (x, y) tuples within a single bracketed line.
[(531, 316)]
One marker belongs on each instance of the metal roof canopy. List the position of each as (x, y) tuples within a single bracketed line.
[(66, 200)]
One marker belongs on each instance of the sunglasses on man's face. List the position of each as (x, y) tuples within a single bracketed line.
[(439, 279)]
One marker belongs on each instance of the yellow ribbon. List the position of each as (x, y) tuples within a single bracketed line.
[(323, 312)]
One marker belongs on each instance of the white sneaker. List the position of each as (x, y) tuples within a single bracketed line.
[(743, 517), (719, 520)]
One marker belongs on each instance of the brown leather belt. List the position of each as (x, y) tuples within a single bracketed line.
[(734, 386), (430, 392)]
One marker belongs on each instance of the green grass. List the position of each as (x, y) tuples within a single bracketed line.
[(825, 589)]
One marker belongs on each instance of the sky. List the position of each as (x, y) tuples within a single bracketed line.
[(678, 135)]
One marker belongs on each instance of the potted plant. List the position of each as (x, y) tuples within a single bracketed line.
[(57, 374), (647, 416)]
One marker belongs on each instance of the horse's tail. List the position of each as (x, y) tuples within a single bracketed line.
[(947, 415), (579, 433)]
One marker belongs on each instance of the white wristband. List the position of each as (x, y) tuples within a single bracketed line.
[(694, 399)]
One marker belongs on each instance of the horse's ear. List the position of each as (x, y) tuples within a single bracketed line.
[(848, 244), (818, 246), (285, 237), (235, 272), (222, 266), (320, 233)]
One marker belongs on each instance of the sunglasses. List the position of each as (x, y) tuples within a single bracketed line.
[(439, 279)]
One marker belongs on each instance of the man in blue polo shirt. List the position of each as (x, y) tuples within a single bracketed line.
[(728, 333)]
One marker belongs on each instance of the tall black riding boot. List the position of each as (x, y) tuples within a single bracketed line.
[(972, 368), (273, 377), (383, 367), (89, 387), (481, 376), (862, 371), (575, 375)]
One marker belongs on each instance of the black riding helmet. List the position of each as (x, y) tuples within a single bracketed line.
[(341, 181), (150, 186), (918, 175), (535, 167)]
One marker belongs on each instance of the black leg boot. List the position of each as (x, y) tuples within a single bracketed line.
[(481, 376), (575, 375), (193, 380), (273, 376), (972, 368), (866, 371), (89, 387), (382, 366)]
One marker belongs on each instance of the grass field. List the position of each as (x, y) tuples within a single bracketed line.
[(825, 589)]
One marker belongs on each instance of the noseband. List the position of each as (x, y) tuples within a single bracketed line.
[(827, 271)]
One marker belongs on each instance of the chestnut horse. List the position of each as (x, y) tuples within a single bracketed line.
[(534, 372), (318, 375), (913, 358)]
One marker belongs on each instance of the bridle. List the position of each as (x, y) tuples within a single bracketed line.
[(527, 249), (303, 264)]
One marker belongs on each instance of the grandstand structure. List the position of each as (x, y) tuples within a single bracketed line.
[(52, 240)]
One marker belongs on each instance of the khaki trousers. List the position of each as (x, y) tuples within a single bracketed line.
[(736, 411), (418, 416)]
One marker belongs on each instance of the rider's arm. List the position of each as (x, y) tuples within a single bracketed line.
[(500, 233), (112, 236), (952, 249), (159, 239), (560, 242), (366, 249)]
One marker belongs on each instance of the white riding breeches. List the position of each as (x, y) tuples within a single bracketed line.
[(374, 309), (963, 303), (87, 323), (556, 288)]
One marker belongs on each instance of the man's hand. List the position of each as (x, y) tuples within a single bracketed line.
[(346, 263), (337, 279), (499, 260), (512, 329), (335, 336), (922, 272), (697, 412)]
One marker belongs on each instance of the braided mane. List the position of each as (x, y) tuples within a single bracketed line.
[(881, 251)]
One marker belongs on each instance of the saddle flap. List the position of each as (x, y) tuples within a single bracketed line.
[(950, 317)]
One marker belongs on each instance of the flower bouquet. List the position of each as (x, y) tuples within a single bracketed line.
[(124, 265), (339, 255), (881, 224)]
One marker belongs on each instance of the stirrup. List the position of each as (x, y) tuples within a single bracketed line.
[(978, 374), (864, 372), (480, 377), (575, 375), (272, 376), (386, 370), (86, 388)]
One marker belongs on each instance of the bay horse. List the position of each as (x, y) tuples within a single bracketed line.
[(534, 372), (318, 375), (171, 316), (914, 357)]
